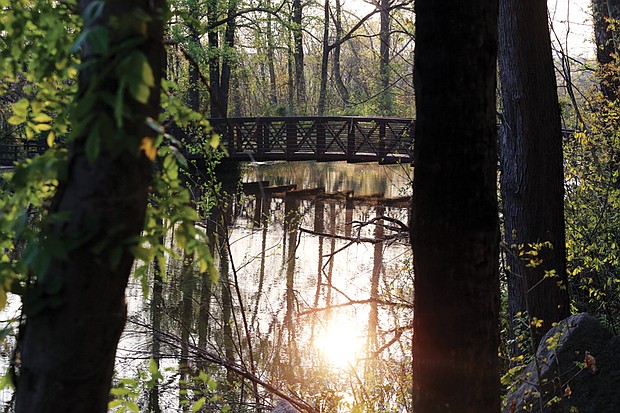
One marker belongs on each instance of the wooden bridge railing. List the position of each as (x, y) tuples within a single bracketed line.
[(19, 150), (352, 139)]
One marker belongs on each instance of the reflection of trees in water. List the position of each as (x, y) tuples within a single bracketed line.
[(204, 326)]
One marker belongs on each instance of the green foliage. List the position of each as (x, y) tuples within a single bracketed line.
[(593, 212)]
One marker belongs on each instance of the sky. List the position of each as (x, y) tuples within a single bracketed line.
[(570, 20)]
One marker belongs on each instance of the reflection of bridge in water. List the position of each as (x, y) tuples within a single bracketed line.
[(322, 201)]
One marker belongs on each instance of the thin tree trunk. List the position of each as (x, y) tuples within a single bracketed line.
[(68, 349), (271, 58), (157, 305), (454, 226), (298, 55), (385, 103), (213, 61), (187, 283), (532, 179), (324, 61), (342, 89), (613, 7)]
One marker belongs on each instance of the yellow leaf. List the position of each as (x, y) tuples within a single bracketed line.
[(51, 137), (16, 120), (43, 127), (148, 147), (147, 74), (2, 299), (215, 141), (42, 118)]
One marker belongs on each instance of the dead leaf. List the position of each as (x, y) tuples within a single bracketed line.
[(513, 406), (590, 362)]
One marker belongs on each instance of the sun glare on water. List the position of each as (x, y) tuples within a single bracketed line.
[(341, 344)]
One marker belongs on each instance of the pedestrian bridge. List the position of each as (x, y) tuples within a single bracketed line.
[(332, 138)]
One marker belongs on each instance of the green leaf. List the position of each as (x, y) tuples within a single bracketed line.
[(147, 73), (133, 407), (153, 367), (198, 404), (20, 108), (140, 92), (142, 253), (119, 391)]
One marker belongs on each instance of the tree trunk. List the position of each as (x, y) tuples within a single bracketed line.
[(271, 58), (608, 74), (324, 62), (342, 89), (532, 179), (69, 345), (613, 7), (454, 226), (213, 61), (385, 103), (298, 55), (227, 61), (193, 90), (187, 286)]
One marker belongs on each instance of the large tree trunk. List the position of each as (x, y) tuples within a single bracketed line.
[(76, 309), (454, 226), (532, 179)]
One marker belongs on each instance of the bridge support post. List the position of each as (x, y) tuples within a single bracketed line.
[(291, 138), (351, 140), (261, 138), (320, 137), (381, 144)]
